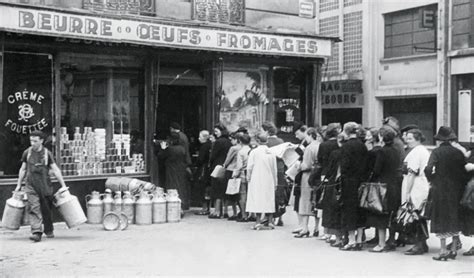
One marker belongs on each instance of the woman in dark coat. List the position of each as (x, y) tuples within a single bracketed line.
[(385, 170), (173, 157), (447, 175), (217, 157), (353, 168), (325, 150), (467, 215)]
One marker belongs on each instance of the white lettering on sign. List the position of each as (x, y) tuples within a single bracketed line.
[(62, 24), (27, 100)]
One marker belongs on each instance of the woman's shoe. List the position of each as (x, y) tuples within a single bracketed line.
[(458, 246), (301, 235), (258, 227), (232, 218), (452, 255), (349, 247), (441, 257), (469, 253), (324, 237), (377, 249), (414, 251), (400, 243), (374, 240), (389, 247), (316, 233), (226, 215), (337, 245), (214, 216), (358, 247), (242, 219), (297, 231)]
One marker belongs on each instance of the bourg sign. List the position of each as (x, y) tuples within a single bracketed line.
[(342, 94), (62, 24)]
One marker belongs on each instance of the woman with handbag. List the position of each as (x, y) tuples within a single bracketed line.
[(448, 177), (310, 157), (324, 153), (230, 164), (386, 171), (217, 157), (467, 212), (415, 186), (353, 168), (300, 134)]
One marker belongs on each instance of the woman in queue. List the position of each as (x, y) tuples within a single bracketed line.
[(447, 174)]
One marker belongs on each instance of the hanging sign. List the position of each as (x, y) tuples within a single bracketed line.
[(24, 119), (67, 25), (306, 8), (287, 113)]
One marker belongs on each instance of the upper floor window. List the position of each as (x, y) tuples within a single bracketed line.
[(410, 32)]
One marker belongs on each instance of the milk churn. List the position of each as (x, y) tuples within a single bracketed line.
[(69, 208), (128, 206), (13, 212), (143, 209), (117, 204), (173, 204), (95, 209), (107, 201), (159, 207)]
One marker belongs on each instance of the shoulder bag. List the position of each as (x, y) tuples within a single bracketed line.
[(372, 197)]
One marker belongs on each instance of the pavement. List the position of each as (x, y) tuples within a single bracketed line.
[(198, 246)]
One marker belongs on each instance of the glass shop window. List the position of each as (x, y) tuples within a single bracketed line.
[(25, 105), (289, 87), (102, 120)]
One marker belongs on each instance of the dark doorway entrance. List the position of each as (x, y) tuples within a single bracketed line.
[(342, 116), (181, 104)]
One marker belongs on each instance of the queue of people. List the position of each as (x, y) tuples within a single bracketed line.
[(334, 165)]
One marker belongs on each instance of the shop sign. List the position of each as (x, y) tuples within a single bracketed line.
[(25, 120), (121, 6), (343, 93), (220, 11), (290, 108), (131, 31), (306, 8)]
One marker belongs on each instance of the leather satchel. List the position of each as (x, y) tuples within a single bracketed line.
[(373, 197)]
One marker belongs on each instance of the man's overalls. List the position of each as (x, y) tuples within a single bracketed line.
[(40, 193)]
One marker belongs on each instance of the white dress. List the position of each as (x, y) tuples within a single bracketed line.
[(262, 173), (416, 162)]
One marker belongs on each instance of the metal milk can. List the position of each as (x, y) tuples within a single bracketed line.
[(107, 201), (95, 209), (143, 209), (117, 204), (69, 207), (159, 207), (14, 210), (173, 205), (128, 206)]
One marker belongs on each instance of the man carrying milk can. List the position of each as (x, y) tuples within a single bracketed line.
[(37, 161)]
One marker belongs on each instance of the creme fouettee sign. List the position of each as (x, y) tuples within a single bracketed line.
[(63, 24), (24, 117)]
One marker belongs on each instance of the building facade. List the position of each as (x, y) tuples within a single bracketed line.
[(104, 78)]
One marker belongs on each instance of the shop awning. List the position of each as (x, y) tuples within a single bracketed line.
[(150, 31)]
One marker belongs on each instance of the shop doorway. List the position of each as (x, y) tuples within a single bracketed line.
[(181, 104), (341, 116)]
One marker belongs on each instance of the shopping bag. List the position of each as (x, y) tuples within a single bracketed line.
[(218, 172), (372, 197), (233, 186)]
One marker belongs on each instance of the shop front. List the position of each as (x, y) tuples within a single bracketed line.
[(103, 87), (462, 101)]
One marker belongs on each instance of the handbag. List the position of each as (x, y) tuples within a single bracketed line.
[(373, 197), (427, 205), (218, 172), (314, 178), (233, 186), (326, 195), (467, 199)]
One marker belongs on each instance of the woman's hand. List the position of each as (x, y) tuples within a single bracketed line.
[(164, 145)]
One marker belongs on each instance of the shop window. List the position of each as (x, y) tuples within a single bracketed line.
[(243, 102), (102, 120), (289, 89), (25, 106), (418, 111), (410, 32)]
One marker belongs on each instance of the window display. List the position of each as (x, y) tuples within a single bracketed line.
[(25, 106), (102, 120)]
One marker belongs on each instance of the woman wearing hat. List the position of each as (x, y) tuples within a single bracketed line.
[(447, 175)]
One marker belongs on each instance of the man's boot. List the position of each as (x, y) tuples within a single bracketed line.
[(36, 237)]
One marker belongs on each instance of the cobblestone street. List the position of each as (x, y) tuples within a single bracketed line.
[(200, 246)]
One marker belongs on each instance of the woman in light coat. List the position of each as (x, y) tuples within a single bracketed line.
[(262, 179)]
